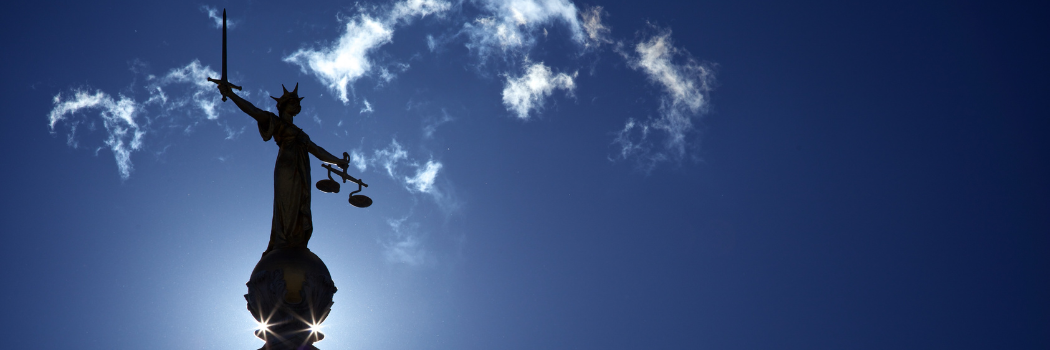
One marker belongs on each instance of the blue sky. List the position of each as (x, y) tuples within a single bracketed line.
[(546, 173)]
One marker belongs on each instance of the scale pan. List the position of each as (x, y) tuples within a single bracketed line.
[(328, 186), (360, 201)]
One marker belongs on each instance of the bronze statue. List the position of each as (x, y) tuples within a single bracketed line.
[(292, 222), (290, 290)]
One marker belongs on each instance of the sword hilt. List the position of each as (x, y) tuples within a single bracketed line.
[(223, 82)]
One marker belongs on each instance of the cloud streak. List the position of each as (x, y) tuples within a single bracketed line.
[(126, 120), (216, 16), (597, 33), (124, 133), (507, 27), (685, 84), (367, 108), (390, 157), (418, 177), (406, 244)]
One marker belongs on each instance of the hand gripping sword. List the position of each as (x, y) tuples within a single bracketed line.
[(222, 80)]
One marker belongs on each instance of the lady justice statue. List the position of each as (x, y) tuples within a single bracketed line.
[(290, 290), (292, 222)]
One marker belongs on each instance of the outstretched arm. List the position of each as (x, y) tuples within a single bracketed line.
[(260, 116), (326, 157)]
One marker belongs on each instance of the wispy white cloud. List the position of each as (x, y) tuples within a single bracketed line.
[(359, 160), (597, 33), (686, 84), (201, 93), (507, 26), (431, 124), (432, 43), (124, 133), (216, 16), (635, 142), (127, 120), (348, 59), (417, 177), (423, 181), (233, 133), (405, 10), (367, 108), (526, 93), (392, 159), (388, 158), (405, 246)]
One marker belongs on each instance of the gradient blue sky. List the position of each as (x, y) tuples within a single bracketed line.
[(547, 174)]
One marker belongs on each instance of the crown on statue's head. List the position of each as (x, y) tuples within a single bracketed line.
[(288, 96)]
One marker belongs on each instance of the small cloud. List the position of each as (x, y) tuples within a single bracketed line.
[(431, 124), (389, 157), (216, 16), (359, 160), (634, 142), (367, 108), (232, 133), (395, 162), (124, 133), (423, 181), (342, 63), (348, 59), (408, 9), (597, 33), (202, 93), (431, 43), (405, 245), (526, 93), (509, 26), (686, 85)]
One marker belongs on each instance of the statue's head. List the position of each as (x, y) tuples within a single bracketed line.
[(288, 104)]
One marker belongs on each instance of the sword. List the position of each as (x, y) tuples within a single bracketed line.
[(222, 80)]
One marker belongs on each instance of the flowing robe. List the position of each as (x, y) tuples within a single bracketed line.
[(292, 220)]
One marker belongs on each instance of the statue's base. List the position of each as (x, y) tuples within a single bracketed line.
[(290, 295)]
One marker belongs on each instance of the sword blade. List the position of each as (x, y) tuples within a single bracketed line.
[(222, 80), (224, 46)]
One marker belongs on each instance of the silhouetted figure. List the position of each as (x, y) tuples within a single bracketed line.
[(290, 290), (292, 221)]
